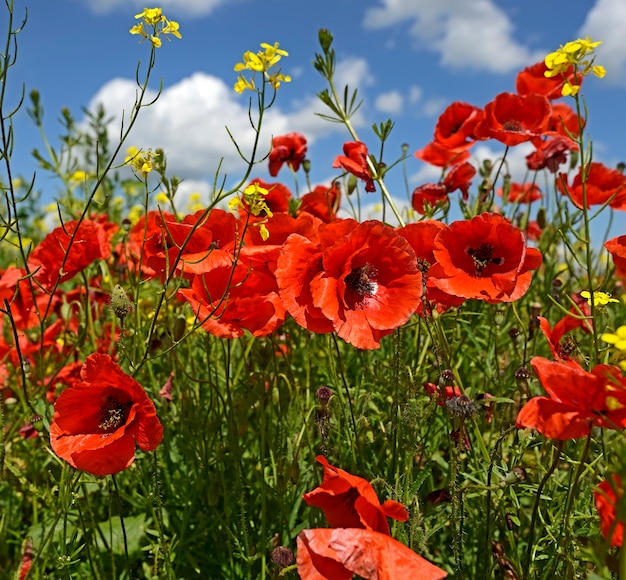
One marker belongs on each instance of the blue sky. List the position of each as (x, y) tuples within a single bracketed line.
[(408, 58)]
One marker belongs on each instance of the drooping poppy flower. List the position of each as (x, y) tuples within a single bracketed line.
[(354, 161), (429, 195), (339, 553), (521, 192), (460, 177), (513, 119), (440, 156), (363, 278), (349, 501), (617, 249), (455, 126), (606, 497), (550, 153), (533, 80), (484, 258), (289, 149), (51, 261), (577, 401), (322, 202), (98, 421), (602, 184)]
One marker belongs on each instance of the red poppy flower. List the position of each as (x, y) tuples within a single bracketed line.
[(289, 149), (521, 192), (485, 258), (363, 278), (146, 233), (440, 395), (455, 126), (338, 553), (460, 177), (617, 249), (277, 198), (53, 263), (532, 80), (98, 421), (513, 119), (577, 401), (562, 348), (194, 245), (603, 184), (429, 195), (349, 501), (322, 202), (421, 237), (229, 300), (354, 161), (564, 121), (606, 497), (550, 153), (440, 156)]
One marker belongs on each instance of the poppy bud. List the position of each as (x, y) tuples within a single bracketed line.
[(282, 556), (352, 182), (120, 302), (326, 39)]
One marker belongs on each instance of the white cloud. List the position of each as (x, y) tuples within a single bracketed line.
[(605, 21), (476, 34), (354, 72), (415, 94), (170, 7), (391, 102), (189, 119)]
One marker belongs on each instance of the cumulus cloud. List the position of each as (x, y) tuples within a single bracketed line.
[(475, 34), (175, 7), (391, 102), (605, 21), (189, 121)]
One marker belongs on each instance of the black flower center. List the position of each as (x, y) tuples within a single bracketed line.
[(512, 125), (361, 280), (113, 414), (482, 257)]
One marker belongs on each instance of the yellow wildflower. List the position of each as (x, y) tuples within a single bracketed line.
[(154, 25), (599, 298), (617, 339), (577, 55), (262, 62)]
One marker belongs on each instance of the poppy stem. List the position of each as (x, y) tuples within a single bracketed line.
[(121, 516), (533, 519), (345, 386)]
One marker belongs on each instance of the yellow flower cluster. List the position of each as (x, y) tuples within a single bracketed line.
[(599, 298), (140, 161), (579, 55), (153, 25), (618, 340), (253, 200), (263, 62)]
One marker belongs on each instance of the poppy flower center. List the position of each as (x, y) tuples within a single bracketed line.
[(512, 125), (113, 414), (360, 280), (482, 257)]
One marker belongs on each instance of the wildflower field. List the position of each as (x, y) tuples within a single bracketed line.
[(269, 386)]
